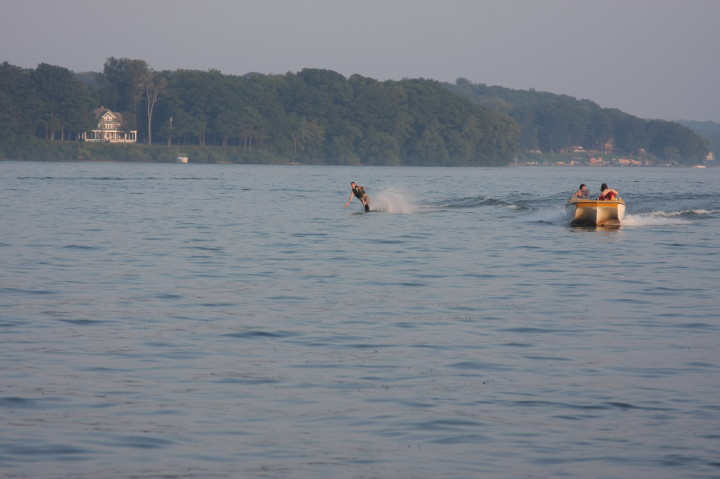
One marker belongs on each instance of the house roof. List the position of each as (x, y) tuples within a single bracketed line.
[(102, 112)]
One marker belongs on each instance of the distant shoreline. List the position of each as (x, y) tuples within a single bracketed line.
[(509, 165)]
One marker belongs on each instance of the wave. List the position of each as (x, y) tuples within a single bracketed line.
[(476, 202), (654, 218), (397, 201), (552, 216), (694, 212), (401, 202), (661, 218), (651, 219)]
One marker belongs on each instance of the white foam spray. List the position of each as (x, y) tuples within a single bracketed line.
[(655, 218), (394, 202)]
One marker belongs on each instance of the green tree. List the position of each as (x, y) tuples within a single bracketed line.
[(431, 148), (18, 102), (601, 129), (65, 102), (378, 148), (631, 134), (123, 85), (154, 87)]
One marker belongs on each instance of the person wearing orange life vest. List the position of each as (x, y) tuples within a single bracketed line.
[(360, 193), (606, 193)]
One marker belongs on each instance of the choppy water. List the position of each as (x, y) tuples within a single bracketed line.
[(221, 321)]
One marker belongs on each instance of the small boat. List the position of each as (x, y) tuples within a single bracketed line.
[(587, 212), (182, 158)]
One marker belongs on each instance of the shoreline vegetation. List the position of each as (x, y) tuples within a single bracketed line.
[(54, 152), (319, 117)]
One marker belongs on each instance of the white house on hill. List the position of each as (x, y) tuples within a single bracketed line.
[(110, 128)]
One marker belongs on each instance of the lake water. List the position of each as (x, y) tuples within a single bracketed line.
[(229, 321)]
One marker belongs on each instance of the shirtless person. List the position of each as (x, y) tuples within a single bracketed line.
[(607, 193), (582, 192), (359, 192)]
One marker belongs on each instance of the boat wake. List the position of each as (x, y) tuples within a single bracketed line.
[(653, 218), (475, 202), (551, 216), (662, 218), (397, 201)]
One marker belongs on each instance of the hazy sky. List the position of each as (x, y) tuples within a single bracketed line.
[(650, 58)]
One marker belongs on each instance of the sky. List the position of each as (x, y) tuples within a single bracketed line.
[(656, 59)]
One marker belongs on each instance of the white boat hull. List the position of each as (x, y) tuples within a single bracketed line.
[(584, 212)]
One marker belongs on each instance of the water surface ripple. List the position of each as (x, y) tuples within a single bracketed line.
[(222, 321)]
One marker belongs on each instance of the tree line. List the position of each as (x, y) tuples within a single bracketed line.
[(551, 123), (312, 116)]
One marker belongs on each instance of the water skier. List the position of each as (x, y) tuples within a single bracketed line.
[(359, 192)]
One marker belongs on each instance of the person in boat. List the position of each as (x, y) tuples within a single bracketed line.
[(582, 192), (607, 194), (360, 193)]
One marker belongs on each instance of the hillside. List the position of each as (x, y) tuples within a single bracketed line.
[(313, 116), (706, 129), (554, 124)]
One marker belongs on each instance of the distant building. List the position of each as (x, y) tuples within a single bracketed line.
[(110, 129), (609, 146), (572, 149)]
